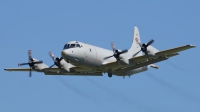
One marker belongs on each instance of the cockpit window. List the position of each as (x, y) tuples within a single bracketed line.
[(77, 45), (67, 46), (72, 45)]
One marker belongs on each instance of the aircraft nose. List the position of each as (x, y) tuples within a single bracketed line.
[(63, 53)]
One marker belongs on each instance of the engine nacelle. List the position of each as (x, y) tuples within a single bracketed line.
[(124, 59), (66, 66), (151, 50), (39, 66), (138, 70)]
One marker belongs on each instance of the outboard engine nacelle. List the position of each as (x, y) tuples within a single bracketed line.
[(39, 66), (152, 50)]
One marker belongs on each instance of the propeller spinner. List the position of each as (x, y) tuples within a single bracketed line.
[(31, 62)]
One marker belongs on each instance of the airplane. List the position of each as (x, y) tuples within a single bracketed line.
[(81, 59)]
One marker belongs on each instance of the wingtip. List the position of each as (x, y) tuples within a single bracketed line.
[(192, 45), (5, 69)]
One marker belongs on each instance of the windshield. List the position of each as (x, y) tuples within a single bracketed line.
[(67, 46)]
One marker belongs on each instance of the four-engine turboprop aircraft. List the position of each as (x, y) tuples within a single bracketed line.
[(87, 60)]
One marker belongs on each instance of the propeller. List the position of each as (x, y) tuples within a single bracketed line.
[(144, 47), (31, 62), (116, 52), (56, 61)]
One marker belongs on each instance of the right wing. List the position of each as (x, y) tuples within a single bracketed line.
[(55, 69), (74, 71), (19, 69)]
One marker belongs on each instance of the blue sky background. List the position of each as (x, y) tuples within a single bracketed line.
[(46, 25)]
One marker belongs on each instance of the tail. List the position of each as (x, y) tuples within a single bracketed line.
[(135, 46)]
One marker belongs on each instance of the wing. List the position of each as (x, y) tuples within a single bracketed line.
[(145, 63), (140, 59), (162, 53), (55, 69), (174, 50), (20, 69), (76, 71)]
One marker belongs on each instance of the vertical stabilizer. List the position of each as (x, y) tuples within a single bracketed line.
[(135, 46)]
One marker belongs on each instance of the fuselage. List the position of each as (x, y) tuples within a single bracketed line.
[(86, 55), (92, 58)]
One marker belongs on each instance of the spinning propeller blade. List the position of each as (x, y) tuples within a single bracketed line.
[(31, 62), (116, 53), (144, 48), (56, 61)]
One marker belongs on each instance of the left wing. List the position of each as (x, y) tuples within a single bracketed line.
[(174, 50), (141, 59), (145, 63)]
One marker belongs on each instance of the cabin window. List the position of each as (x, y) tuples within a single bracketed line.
[(90, 50)]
